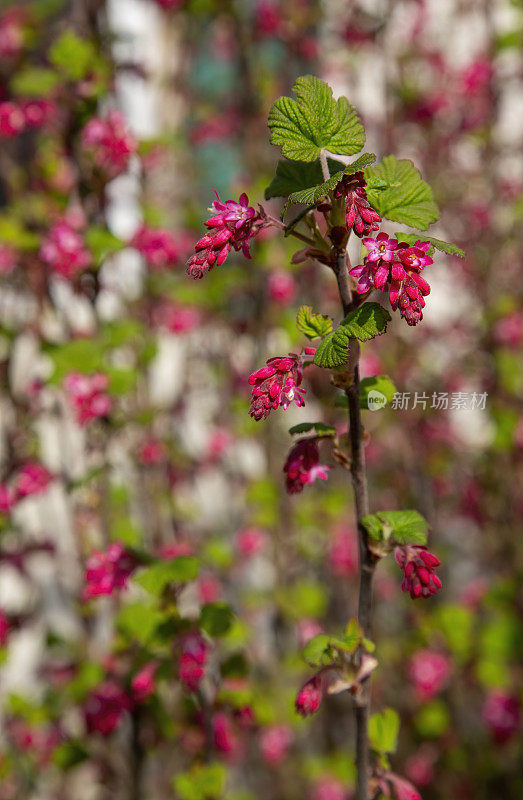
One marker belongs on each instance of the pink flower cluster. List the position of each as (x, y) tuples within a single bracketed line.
[(275, 385), (107, 571), (361, 217), (308, 699), (274, 743), (394, 266), (430, 672), (88, 395), (16, 117), (176, 318), (302, 465), (105, 706), (64, 250), (502, 713), (418, 565), (232, 225), (192, 661), (144, 682), (31, 479), (109, 142), (158, 246)]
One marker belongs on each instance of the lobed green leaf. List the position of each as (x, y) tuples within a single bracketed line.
[(311, 324), (384, 729), (408, 198), (365, 322), (404, 527), (444, 247), (320, 428), (315, 122)]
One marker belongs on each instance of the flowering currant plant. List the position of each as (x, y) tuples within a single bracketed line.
[(340, 200)]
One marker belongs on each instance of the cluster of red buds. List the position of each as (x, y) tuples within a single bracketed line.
[(418, 565), (394, 266), (361, 217), (276, 384), (233, 224), (308, 699)]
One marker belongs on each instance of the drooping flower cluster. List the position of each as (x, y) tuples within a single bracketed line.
[(105, 706), (232, 225), (360, 216), (429, 671), (302, 465), (158, 246), (418, 565), (88, 395), (107, 571), (396, 266), (308, 699), (109, 142), (192, 661), (275, 385), (64, 250)]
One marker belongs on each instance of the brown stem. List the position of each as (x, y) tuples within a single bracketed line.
[(361, 501), (279, 224)]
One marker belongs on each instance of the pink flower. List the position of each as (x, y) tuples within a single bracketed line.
[(7, 499), (7, 259), (302, 465), (232, 225), (308, 699), (11, 33), (193, 660), (64, 250), (430, 672), (143, 684), (275, 385), (394, 266), (151, 451), (307, 629), (268, 18), (225, 738), (343, 553), (360, 216), (109, 142), (32, 478), (12, 120), (87, 395), (158, 246), (104, 707), (476, 76), (177, 319), (419, 566), (328, 788), (5, 629), (108, 571), (250, 541), (402, 789), (502, 713), (274, 743), (282, 287), (38, 113)]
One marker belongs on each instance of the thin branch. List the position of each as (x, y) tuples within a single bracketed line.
[(367, 564)]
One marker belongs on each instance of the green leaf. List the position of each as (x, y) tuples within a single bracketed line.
[(315, 122), (311, 324), (82, 355), (408, 199), (365, 322), (35, 82), (384, 728), (352, 636), (318, 651), (72, 55), (298, 176), (69, 754), (377, 383), (315, 193), (12, 232), (405, 527), (102, 242), (139, 621), (154, 579), (203, 782), (216, 618), (320, 428), (438, 244)]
